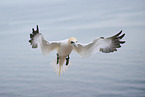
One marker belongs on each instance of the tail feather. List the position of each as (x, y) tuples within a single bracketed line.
[(59, 70), (60, 67), (61, 62)]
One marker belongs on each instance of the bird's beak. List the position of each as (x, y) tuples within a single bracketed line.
[(75, 45)]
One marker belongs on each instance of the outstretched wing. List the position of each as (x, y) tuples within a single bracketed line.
[(37, 40), (105, 45)]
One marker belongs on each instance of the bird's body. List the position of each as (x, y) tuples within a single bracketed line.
[(65, 47), (63, 50)]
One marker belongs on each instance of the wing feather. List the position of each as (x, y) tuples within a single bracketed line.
[(105, 45), (37, 40)]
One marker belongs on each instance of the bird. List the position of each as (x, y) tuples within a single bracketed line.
[(65, 47)]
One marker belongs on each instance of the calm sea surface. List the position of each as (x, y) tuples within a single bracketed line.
[(25, 72)]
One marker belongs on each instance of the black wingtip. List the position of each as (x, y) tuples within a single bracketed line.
[(37, 29), (30, 41), (120, 37), (33, 30), (118, 33), (32, 35), (122, 42)]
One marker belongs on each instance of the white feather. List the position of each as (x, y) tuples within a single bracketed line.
[(86, 50), (106, 45), (45, 46)]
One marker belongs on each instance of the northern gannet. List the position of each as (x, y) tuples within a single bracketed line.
[(65, 47)]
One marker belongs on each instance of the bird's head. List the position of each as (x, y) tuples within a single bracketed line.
[(72, 41)]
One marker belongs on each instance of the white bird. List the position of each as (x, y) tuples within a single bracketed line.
[(65, 47)]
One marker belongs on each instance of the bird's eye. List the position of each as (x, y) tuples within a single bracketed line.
[(72, 42)]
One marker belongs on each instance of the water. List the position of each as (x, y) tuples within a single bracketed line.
[(25, 72)]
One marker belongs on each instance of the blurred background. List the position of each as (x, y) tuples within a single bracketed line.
[(25, 72)]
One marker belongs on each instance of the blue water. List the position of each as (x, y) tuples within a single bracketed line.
[(25, 72)]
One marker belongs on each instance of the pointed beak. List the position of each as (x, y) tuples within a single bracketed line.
[(75, 45)]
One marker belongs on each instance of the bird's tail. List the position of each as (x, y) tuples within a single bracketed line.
[(61, 66), (61, 62)]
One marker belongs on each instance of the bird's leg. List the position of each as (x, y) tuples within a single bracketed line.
[(67, 60), (57, 58)]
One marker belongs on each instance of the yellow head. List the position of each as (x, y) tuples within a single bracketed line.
[(72, 41)]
